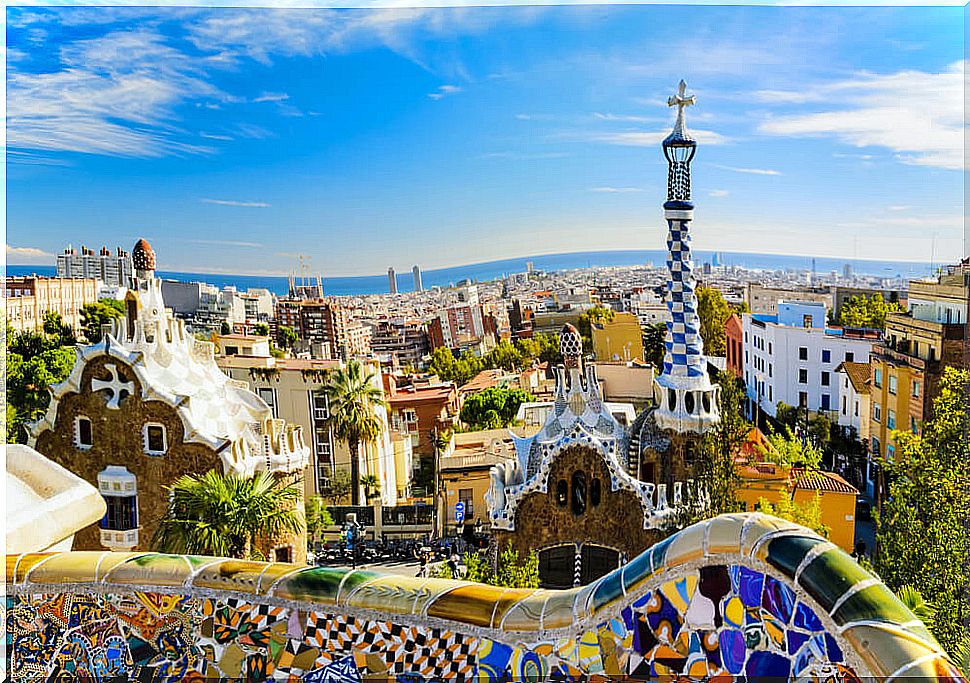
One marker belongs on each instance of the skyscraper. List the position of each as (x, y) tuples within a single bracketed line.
[(391, 281), (416, 273)]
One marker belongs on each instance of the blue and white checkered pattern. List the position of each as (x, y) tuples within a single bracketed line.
[(684, 356)]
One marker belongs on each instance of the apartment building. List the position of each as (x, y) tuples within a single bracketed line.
[(28, 298), (111, 268), (326, 323)]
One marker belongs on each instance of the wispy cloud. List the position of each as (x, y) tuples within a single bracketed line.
[(524, 156), (899, 207), (718, 193), (234, 202), (28, 256), (272, 97), (623, 117), (615, 190), (443, 91), (752, 171), (229, 243), (648, 139), (916, 114)]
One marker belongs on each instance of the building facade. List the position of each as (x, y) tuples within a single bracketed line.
[(326, 324), (27, 299), (619, 339), (400, 342), (734, 345), (147, 405), (791, 357), (908, 364), (114, 269)]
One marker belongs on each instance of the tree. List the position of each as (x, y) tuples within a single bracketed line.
[(596, 314), (713, 312), (225, 328), (318, 517), (54, 327), (29, 377), (865, 311), (715, 467), (788, 449), (226, 516), (917, 604), (921, 537), (493, 407), (372, 486), (339, 487), (262, 329), (98, 314), (510, 572), (654, 347), (286, 336), (807, 514), (353, 396)]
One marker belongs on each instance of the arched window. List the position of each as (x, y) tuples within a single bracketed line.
[(689, 402), (83, 437), (595, 492), (579, 493), (562, 493)]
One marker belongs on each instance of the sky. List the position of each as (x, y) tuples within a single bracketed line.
[(235, 139)]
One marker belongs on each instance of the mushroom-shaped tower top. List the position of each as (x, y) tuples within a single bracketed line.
[(143, 256), (570, 345)]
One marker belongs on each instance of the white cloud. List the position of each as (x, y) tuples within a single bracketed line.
[(718, 193), (645, 139), (272, 97), (752, 171), (235, 202), (899, 207), (215, 136), (615, 190), (444, 90), (28, 256), (916, 114), (228, 243), (620, 117)]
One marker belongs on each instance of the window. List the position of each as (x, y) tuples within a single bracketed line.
[(806, 321), (857, 408), (769, 347), (769, 369), (119, 489), (890, 452), (826, 356), (849, 356), (915, 389), (825, 378), (269, 396), (891, 419), (595, 492), (82, 433), (877, 377), (802, 353), (410, 418), (155, 439), (802, 399), (467, 496), (321, 410), (845, 405), (877, 412), (562, 493), (826, 402), (913, 425), (579, 493), (802, 376), (892, 384), (770, 398), (875, 446)]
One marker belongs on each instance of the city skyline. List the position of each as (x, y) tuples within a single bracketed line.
[(503, 132)]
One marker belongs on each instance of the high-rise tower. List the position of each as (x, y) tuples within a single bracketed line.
[(391, 281), (416, 274), (687, 401)]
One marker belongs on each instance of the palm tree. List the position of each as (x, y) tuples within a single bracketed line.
[(353, 398), (372, 485), (224, 515)]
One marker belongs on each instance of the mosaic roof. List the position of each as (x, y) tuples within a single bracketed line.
[(731, 598)]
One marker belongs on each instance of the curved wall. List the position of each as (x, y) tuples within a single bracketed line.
[(737, 595)]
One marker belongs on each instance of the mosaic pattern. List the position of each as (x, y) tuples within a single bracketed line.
[(684, 355), (735, 598)]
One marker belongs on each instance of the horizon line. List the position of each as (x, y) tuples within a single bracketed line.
[(283, 274)]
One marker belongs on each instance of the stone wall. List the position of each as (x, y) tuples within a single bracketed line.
[(117, 440), (617, 522), (738, 597)]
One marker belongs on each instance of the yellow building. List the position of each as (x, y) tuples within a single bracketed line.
[(27, 299), (837, 497), (465, 473), (620, 339), (291, 388), (908, 364)]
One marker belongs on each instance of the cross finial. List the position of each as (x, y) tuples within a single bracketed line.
[(680, 100)]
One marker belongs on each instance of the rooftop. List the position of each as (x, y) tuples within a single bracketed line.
[(858, 373)]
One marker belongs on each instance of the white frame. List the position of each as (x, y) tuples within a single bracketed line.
[(144, 437)]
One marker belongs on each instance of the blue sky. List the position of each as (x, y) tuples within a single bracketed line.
[(236, 138)]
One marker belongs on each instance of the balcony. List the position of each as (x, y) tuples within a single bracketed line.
[(119, 540)]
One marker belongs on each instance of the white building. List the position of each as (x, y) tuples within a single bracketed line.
[(853, 380), (791, 357), (110, 268)]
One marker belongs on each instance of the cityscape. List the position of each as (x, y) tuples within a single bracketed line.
[(428, 375)]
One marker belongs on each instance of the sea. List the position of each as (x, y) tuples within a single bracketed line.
[(491, 270)]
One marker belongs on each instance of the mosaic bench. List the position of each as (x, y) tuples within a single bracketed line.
[(731, 598)]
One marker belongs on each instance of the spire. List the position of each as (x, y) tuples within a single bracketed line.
[(679, 148)]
